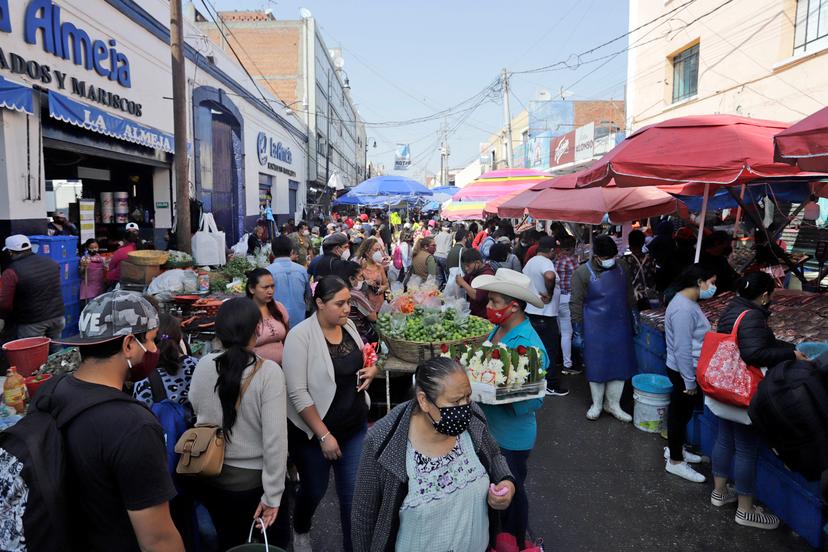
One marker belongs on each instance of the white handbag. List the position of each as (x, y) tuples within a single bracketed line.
[(208, 243)]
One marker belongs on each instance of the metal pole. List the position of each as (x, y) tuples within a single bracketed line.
[(507, 115), (701, 226), (182, 182), (739, 213)]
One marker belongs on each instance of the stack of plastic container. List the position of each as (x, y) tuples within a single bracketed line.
[(64, 250)]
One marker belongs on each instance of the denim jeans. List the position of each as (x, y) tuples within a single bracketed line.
[(314, 471), (741, 441), (547, 329), (516, 517), (565, 324)]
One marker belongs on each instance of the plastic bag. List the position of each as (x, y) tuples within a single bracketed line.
[(208, 243), (240, 249), (173, 282)]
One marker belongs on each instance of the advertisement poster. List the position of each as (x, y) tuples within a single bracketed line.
[(87, 219), (402, 157)]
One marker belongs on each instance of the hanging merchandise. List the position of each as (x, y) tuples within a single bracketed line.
[(208, 243), (121, 207), (107, 207)]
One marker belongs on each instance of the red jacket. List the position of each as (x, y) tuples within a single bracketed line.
[(114, 274)]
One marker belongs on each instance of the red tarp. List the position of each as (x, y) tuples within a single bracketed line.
[(805, 143)]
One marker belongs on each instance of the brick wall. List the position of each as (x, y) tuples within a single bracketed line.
[(599, 110)]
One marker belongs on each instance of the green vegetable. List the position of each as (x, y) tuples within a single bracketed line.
[(237, 267)]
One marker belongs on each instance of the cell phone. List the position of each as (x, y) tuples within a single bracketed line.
[(359, 380)]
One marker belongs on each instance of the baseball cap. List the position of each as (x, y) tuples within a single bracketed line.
[(335, 239), (113, 315), (60, 213), (132, 227), (17, 243)]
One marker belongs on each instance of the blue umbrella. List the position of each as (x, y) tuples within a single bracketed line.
[(390, 185), (443, 193), (368, 201)]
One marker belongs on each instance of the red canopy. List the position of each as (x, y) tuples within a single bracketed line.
[(805, 143), (558, 199), (693, 151)]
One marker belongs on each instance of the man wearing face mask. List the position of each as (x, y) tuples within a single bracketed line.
[(335, 250), (114, 447), (513, 425), (601, 307), (302, 243), (473, 266)]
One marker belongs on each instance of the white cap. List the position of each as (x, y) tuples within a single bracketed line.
[(131, 226), (17, 243)]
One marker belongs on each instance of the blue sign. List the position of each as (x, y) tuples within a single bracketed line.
[(261, 148), (92, 118), (268, 148)]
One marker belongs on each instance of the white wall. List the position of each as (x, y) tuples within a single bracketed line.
[(468, 174), (17, 177)]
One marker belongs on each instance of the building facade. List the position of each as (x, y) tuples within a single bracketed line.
[(756, 58), (87, 123), (291, 60)]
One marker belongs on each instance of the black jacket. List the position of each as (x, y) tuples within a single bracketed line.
[(757, 344), (37, 296), (382, 481)]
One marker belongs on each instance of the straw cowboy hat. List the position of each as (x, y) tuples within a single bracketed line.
[(510, 283)]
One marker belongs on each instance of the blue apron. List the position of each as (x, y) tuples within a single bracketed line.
[(608, 331)]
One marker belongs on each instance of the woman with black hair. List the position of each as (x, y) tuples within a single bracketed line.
[(737, 443), (457, 477), (245, 396), (327, 381), (92, 271), (274, 324), (685, 327), (175, 367)]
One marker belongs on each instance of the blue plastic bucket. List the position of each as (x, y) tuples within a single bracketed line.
[(651, 393), (812, 349)]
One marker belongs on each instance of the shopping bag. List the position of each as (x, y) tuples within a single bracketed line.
[(722, 374), (208, 243)]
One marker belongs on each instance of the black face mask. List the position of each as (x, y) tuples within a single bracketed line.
[(454, 420)]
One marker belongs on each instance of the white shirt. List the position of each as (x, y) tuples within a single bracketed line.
[(536, 268), (444, 241)]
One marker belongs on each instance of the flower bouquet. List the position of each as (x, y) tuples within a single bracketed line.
[(500, 375)]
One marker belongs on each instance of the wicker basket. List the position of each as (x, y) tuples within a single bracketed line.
[(418, 352), (148, 257)]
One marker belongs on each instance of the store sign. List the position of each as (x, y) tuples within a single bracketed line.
[(585, 142), (402, 157), (42, 25), (269, 150), (562, 149), (162, 204)]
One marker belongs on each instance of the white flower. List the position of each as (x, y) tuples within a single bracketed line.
[(521, 376), (487, 343)]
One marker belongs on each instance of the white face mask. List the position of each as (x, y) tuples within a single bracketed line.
[(346, 254), (305, 233), (377, 257), (608, 263)]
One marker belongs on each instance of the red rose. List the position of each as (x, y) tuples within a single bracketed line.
[(444, 348), (521, 350), (496, 354)]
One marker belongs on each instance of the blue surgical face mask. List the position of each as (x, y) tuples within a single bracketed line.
[(707, 293), (608, 263)]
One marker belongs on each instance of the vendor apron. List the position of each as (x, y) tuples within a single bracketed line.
[(608, 331)]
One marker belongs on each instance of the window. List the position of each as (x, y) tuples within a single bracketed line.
[(811, 31), (265, 191), (686, 74)]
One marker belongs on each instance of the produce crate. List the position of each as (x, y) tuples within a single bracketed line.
[(650, 350), (71, 291), (489, 394), (694, 429), (71, 312), (60, 248), (70, 331), (138, 274), (70, 270)]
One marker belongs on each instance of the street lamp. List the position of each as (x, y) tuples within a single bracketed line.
[(367, 165)]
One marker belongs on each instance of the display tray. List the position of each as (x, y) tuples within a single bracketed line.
[(489, 394)]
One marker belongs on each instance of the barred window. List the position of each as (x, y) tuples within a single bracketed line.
[(686, 73), (811, 25)]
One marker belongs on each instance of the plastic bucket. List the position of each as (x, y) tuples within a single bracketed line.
[(812, 349), (28, 354), (651, 393)]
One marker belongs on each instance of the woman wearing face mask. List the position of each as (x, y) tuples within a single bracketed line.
[(92, 272), (274, 325), (245, 395), (175, 367), (327, 381), (602, 309), (372, 257), (456, 476), (513, 425), (685, 328), (363, 314), (737, 443)]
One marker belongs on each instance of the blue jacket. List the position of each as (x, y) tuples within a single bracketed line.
[(513, 425), (292, 288)]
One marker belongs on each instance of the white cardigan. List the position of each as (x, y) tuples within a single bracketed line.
[(309, 371)]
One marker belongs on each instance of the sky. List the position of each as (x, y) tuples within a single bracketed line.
[(407, 60)]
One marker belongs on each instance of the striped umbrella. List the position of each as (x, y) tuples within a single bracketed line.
[(463, 210), (493, 184)]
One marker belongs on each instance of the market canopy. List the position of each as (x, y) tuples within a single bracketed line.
[(493, 184), (693, 151), (16, 96), (805, 143), (559, 199), (390, 185), (463, 210), (372, 200)]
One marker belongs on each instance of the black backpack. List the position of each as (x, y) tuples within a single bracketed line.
[(33, 472), (790, 410)]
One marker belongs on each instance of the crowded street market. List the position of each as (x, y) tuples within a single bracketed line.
[(608, 335)]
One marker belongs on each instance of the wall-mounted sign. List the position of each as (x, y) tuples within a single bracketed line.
[(585, 142), (162, 205), (562, 149), (402, 157), (270, 151)]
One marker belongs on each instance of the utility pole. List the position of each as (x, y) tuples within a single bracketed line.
[(444, 155), (182, 182), (507, 115)]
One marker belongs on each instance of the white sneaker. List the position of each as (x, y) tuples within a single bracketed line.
[(684, 471), (758, 518), (720, 499), (302, 542), (689, 457), (594, 412)]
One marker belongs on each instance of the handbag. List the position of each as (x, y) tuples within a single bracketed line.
[(208, 243), (722, 374), (202, 447)]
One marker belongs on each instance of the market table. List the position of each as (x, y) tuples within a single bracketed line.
[(393, 365)]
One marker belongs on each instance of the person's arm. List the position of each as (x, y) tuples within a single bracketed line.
[(8, 284), (155, 530), (274, 437), (576, 301), (757, 345), (470, 291), (368, 495), (431, 264), (682, 326)]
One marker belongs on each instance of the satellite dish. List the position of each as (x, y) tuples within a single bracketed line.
[(305, 13), (339, 63)]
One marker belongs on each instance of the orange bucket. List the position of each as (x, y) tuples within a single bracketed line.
[(28, 354)]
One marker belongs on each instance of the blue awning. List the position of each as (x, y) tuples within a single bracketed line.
[(16, 96), (95, 119)]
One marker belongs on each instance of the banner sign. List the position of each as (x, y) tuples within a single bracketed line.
[(562, 149), (585, 142), (402, 157), (92, 118)]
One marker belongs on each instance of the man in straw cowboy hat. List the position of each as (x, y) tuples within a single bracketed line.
[(513, 425)]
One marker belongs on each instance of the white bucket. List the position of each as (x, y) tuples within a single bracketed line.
[(650, 410), (107, 207), (121, 206)]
